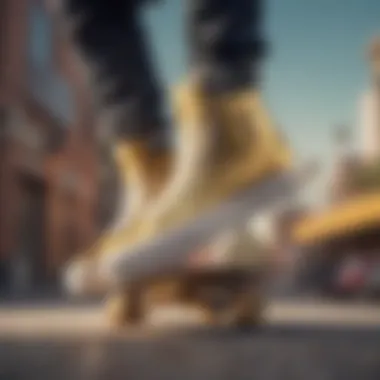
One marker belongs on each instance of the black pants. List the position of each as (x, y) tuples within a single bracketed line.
[(224, 38)]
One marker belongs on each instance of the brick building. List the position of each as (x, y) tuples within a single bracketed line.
[(48, 163)]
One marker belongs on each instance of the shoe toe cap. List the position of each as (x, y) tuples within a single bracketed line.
[(76, 278)]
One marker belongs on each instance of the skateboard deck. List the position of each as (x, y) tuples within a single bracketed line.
[(172, 249)]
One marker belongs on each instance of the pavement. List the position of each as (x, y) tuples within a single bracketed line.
[(72, 322), (300, 340)]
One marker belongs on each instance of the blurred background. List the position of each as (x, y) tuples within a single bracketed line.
[(57, 183)]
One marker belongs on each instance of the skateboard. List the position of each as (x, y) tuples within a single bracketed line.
[(171, 250)]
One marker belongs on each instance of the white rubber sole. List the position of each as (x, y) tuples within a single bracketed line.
[(81, 279), (171, 250), (75, 279)]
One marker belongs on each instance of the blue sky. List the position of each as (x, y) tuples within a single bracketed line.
[(316, 69)]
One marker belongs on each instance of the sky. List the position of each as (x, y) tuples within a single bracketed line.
[(313, 76)]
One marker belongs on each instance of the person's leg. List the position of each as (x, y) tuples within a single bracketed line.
[(109, 37), (227, 142), (226, 43)]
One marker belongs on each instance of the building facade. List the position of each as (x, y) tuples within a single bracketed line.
[(370, 108), (370, 124), (48, 161)]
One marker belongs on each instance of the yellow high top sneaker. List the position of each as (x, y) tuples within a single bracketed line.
[(150, 171), (227, 149), (141, 172), (153, 169)]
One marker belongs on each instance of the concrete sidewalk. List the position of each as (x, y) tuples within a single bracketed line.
[(65, 321), (300, 342)]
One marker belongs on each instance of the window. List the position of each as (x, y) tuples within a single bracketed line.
[(46, 84), (40, 43), (3, 35)]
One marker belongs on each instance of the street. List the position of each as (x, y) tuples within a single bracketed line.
[(300, 341)]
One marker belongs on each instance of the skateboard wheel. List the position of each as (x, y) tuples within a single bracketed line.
[(124, 308), (248, 309)]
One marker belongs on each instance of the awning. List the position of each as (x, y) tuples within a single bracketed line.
[(352, 216)]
